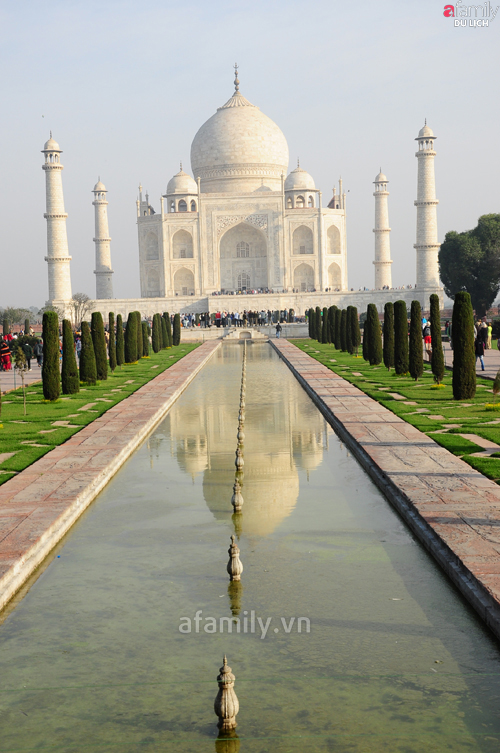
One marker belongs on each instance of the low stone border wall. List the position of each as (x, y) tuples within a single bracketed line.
[(452, 509), (40, 504)]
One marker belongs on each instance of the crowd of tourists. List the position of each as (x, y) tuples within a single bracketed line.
[(30, 346)]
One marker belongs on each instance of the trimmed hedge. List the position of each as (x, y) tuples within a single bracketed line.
[(464, 357), (437, 358), (51, 380), (166, 316), (70, 378), (324, 326), (99, 343), (88, 370), (389, 336), (131, 338), (374, 341), (338, 319), (112, 341), (401, 357), (145, 340), (120, 342), (176, 337), (139, 334), (156, 338), (416, 357)]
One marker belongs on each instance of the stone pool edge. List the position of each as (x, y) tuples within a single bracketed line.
[(61, 510), (476, 591)]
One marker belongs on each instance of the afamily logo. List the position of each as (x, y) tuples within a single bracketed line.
[(471, 15)]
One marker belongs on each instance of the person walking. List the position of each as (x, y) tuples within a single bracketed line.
[(479, 349), (488, 336), (28, 353), (278, 330), (38, 352), (426, 333)]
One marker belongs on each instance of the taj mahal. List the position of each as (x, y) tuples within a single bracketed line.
[(243, 226)]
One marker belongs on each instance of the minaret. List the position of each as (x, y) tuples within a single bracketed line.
[(383, 276), (57, 257), (103, 271), (427, 245)]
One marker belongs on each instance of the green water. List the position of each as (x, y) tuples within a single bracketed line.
[(92, 658)]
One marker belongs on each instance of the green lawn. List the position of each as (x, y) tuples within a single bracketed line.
[(31, 436), (430, 410)]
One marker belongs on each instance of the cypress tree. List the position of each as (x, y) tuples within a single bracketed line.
[(355, 331), (464, 357), (139, 334), (99, 343), (389, 336), (416, 356), (317, 324), (145, 340), (374, 343), (437, 358), (164, 333), (50, 367), (156, 333), (331, 324), (348, 331), (69, 374), (176, 337), (324, 326), (120, 342), (27, 327), (309, 322), (6, 326), (401, 364), (343, 330), (112, 341), (338, 318), (366, 338), (168, 322), (88, 370), (131, 338)]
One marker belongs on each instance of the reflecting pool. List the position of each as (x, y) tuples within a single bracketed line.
[(345, 635)]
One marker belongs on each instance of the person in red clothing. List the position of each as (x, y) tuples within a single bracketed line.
[(5, 356)]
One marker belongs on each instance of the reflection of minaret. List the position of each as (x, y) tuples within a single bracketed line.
[(103, 271), (427, 245), (57, 257), (383, 277)]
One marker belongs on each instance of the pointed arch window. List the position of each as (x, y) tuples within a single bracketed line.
[(243, 250), (243, 281)]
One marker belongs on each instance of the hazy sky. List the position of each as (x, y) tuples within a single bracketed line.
[(124, 86)]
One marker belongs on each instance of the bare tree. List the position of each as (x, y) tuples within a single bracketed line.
[(80, 307)]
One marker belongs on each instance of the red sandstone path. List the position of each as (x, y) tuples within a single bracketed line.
[(40, 504), (453, 509)]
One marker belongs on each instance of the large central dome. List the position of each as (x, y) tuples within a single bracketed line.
[(239, 150)]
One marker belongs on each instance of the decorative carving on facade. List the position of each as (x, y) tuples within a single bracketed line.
[(226, 221)]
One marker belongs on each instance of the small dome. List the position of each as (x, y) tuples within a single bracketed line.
[(299, 179), (425, 132), (99, 186), (51, 145), (381, 178), (182, 183)]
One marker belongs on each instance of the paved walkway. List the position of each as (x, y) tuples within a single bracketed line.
[(10, 380), (491, 361), (453, 509), (40, 504)]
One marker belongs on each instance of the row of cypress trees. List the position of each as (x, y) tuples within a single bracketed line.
[(125, 347), (162, 336), (336, 326)]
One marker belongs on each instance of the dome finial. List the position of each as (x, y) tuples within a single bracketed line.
[(181, 165), (50, 134), (298, 161), (425, 121), (236, 80)]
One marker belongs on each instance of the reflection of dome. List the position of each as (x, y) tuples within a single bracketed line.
[(298, 180), (307, 450), (426, 132), (182, 183), (238, 147), (270, 491)]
